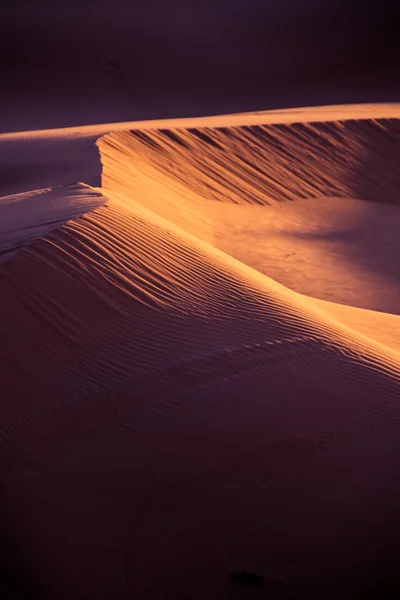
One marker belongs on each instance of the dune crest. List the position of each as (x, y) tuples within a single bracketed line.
[(27, 216)]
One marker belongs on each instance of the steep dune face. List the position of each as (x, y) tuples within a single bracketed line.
[(173, 406), (268, 163), (314, 205)]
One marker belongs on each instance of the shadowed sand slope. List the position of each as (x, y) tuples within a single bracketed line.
[(336, 249), (30, 215), (174, 414)]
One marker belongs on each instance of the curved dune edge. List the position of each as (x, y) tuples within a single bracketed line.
[(142, 344), (377, 326), (192, 177), (383, 110), (27, 216)]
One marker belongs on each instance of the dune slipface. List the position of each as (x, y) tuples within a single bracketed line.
[(312, 204), (264, 164), (173, 415)]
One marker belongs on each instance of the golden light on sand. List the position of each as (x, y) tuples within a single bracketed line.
[(201, 357)]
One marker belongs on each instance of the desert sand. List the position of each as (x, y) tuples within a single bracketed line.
[(200, 356)]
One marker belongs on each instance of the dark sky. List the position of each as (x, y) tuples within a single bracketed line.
[(201, 49), (273, 35)]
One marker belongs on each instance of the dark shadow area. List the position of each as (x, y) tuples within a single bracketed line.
[(377, 175), (37, 164), (247, 579), (16, 579)]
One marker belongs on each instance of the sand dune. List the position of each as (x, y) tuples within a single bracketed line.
[(174, 413), (27, 216), (379, 326), (288, 200), (263, 164)]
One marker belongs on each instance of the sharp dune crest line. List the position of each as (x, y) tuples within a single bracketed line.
[(383, 110), (175, 412)]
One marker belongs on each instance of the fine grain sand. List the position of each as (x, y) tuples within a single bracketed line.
[(200, 356)]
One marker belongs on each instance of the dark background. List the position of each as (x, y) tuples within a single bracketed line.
[(80, 61)]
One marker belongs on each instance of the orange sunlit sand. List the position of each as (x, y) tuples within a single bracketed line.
[(202, 354)]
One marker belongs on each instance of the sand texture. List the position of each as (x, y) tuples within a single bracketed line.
[(200, 358)]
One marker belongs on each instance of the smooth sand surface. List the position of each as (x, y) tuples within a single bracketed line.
[(182, 401)]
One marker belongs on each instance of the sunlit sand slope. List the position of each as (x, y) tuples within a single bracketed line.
[(378, 326), (262, 164), (313, 205), (336, 249), (175, 416)]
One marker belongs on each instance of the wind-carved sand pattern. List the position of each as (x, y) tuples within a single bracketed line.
[(265, 164), (174, 414)]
